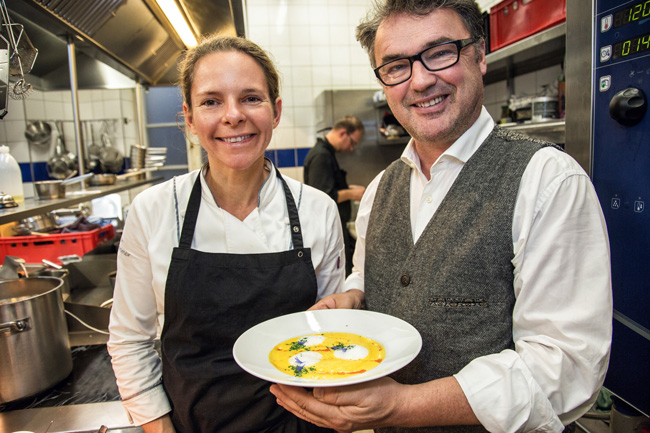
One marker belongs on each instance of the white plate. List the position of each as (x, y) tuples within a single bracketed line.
[(401, 341)]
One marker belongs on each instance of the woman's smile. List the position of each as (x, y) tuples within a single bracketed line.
[(232, 113)]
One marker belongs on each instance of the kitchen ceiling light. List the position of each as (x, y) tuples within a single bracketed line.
[(173, 14)]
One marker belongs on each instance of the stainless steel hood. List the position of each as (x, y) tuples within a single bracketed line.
[(131, 36)]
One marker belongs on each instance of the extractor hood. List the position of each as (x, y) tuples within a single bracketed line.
[(131, 36)]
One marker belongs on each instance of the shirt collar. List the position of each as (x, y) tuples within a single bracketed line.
[(462, 149), (267, 189), (327, 144)]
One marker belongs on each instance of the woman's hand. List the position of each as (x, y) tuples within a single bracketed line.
[(352, 299), (344, 409), (159, 425)]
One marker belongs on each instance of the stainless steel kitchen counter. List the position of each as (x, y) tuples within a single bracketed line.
[(74, 418)]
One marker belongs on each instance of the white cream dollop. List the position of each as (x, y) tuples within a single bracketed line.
[(351, 353), (305, 359)]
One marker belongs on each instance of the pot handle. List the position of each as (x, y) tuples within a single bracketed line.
[(16, 326)]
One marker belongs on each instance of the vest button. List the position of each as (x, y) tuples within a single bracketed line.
[(405, 280)]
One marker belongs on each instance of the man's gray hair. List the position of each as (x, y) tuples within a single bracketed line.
[(467, 10)]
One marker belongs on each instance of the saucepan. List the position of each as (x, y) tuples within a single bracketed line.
[(111, 178), (38, 133), (51, 189)]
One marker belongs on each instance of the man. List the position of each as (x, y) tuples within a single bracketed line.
[(492, 244), (322, 171)]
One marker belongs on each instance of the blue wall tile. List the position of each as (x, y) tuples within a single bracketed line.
[(270, 154), (286, 157), (302, 154)]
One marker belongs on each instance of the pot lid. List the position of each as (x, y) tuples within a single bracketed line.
[(7, 201)]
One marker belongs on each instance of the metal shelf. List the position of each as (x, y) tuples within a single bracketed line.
[(553, 131), (35, 206), (535, 52)]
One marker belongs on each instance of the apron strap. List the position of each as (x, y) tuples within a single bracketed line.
[(192, 213), (294, 220)]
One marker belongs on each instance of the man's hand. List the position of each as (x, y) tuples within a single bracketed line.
[(356, 192), (352, 299), (159, 425), (346, 408)]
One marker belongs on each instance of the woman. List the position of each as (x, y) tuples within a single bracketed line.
[(217, 251)]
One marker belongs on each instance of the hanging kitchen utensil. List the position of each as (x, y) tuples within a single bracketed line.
[(72, 159), (94, 150), (4, 76), (57, 165), (22, 54), (63, 162), (38, 133), (111, 159)]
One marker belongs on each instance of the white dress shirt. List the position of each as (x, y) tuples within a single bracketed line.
[(562, 284), (150, 234)]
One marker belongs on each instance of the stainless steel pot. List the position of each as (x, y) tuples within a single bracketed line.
[(102, 179), (50, 189), (34, 346)]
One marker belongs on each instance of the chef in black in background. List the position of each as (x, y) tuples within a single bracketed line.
[(322, 171)]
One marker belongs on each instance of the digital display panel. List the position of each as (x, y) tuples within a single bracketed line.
[(632, 14), (632, 46)]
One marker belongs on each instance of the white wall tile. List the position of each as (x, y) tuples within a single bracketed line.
[(321, 56), (300, 34), (35, 109), (322, 76), (305, 137), (340, 55), (302, 56), (282, 138), (304, 117), (16, 109), (258, 15), (14, 130), (300, 76), (297, 14), (341, 76), (318, 14)]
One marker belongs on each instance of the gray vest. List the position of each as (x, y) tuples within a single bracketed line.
[(455, 285)]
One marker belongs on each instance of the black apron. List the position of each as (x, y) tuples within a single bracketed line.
[(210, 300)]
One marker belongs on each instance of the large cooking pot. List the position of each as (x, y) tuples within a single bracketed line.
[(34, 346)]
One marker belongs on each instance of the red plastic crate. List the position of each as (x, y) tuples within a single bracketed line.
[(513, 20), (35, 248)]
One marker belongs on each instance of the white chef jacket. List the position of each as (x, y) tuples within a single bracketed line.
[(562, 284), (150, 234)]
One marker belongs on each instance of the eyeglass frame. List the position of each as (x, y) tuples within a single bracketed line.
[(352, 140), (460, 44)]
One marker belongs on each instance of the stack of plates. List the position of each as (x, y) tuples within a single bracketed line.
[(147, 157), (155, 157)]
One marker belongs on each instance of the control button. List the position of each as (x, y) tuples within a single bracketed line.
[(616, 203), (405, 280), (628, 106), (605, 53), (606, 23), (605, 83), (639, 206)]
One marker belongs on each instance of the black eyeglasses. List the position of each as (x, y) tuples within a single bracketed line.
[(352, 140), (435, 58)]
